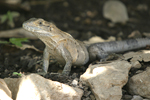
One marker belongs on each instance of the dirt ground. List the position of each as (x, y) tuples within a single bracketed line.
[(81, 18)]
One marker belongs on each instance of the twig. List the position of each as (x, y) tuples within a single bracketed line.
[(17, 33)]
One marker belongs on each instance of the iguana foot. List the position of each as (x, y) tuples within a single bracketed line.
[(65, 73)]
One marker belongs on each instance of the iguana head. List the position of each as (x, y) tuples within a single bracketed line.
[(41, 27)]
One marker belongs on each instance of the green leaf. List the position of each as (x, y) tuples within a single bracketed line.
[(18, 41), (16, 73), (3, 18), (10, 19), (4, 42)]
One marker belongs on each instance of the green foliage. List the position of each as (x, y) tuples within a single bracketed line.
[(9, 18), (18, 41), (16, 73), (15, 41)]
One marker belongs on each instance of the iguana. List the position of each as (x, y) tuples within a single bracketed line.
[(69, 51)]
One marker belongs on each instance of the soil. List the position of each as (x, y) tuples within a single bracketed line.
[(81, 18)]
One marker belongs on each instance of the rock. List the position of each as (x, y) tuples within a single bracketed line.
[(135, 57), (146, 57), (136, 97), (135, 34), (13, 85), (35, 87), (96, 39), (107, 80), (129, 55), (5, 93), (136, 64), (75, 82), (115, 11), (139, 84)]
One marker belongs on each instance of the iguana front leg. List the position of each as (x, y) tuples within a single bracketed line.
[(65, 54), (67, 57), (46, 56)]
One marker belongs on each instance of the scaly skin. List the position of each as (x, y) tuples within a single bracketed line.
[(69, 51), (59, 44)]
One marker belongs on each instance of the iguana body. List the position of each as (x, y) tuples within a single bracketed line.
[(69, 51)]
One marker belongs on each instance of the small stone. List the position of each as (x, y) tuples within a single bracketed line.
[(116, 11), (136, 97), (75, 82), (96, 39), (139, 84), (135, 34)]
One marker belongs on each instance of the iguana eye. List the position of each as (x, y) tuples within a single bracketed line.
[(40, 23)]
